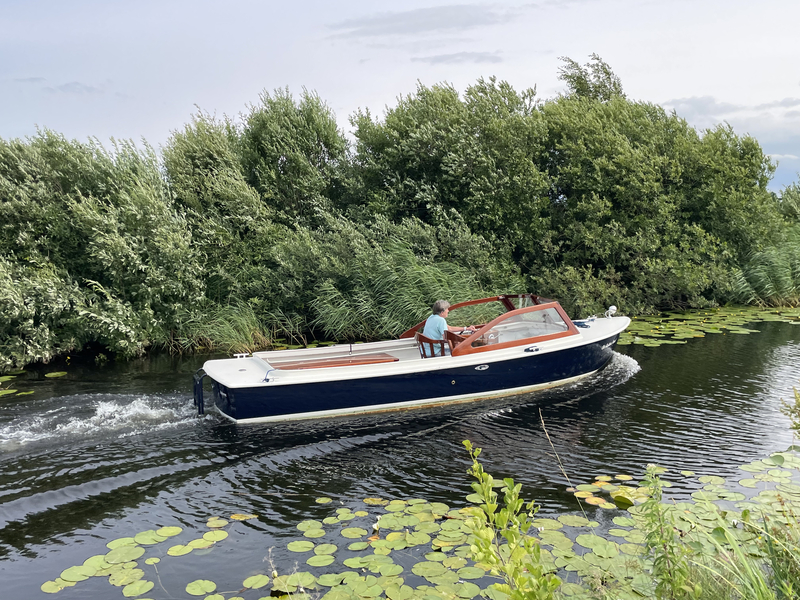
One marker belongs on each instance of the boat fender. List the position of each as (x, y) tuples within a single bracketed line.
[(199, 402)]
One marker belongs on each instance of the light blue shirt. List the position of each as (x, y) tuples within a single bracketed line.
[(435, 327)]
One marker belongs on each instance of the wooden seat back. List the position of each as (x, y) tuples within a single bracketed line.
[(427, 346)]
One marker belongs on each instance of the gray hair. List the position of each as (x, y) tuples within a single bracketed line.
[(440, 306)]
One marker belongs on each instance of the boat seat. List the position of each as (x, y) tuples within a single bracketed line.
[(427, 346), (339, 361)]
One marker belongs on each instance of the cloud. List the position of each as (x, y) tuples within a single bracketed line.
[(452, 18), (784, 156), (30, 80), (700, 107), (74, 87), (460, 58)]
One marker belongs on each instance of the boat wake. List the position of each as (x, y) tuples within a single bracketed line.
[(87, 416)]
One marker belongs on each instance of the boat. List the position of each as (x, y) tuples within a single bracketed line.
[(521, 342)]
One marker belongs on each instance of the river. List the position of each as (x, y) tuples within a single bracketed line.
[(109, 451)]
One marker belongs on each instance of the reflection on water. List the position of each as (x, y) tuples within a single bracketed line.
[(109, 452)]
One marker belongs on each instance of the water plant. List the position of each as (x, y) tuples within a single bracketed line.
[(502, 540)]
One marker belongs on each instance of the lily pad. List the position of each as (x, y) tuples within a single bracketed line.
[(215, 536), (153, 560), (78, 573), (314, 533), (309, 524), (124, 554), (216, 522), (55, 374), (137, 588), (124, 541), (320, 560), (169, 531), (125, 577), (200, 587), (471, 573), (353, 532), (326, 549), (243, 517), (148, 537), (300, 546), (323, 500), (179, 550)]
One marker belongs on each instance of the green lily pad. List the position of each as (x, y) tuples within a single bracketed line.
[(323, 500), (125, 577), (256, 581), (314, 533), (300, 546), (399, 592), (281, 584), (200, 587), (179, 550), (137, 588), (78, 573), (125, 541), (148, 537), (547, 524), (216, 522), (358, 546), (320, 560), (330, 579), (375, 501), (51, 587), (353, 532), (153, 560), (471, 573), (309, 524), (55, 374), (326, 549), (215, 536), (330, 520), (574, 520), (169, 531), (124, 554), (200, 544), (389, 569), (301, 579), (429, 569)]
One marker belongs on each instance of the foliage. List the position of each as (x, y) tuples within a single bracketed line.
[(595, 80), (589, 197), (771, 277), (662, 544), (502, 540)]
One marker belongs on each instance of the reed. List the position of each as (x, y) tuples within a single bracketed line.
[(230, 328), (771, 277), (385, 292)]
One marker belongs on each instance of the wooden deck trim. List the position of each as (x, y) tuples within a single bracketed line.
[(339, 361)]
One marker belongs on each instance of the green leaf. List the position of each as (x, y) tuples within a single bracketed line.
[(200, 587)]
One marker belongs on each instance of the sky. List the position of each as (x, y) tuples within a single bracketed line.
[(140, 70)]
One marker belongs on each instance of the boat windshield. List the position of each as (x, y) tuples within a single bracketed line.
[(464, 316), (522, 326)]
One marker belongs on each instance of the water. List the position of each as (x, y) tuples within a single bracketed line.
[(110, 451)]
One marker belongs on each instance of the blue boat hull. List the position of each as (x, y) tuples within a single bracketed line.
[(393, 391)]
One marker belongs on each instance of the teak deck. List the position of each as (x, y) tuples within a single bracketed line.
[(339, 361)]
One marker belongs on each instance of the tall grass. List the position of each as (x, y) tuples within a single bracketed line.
[(231, 328), (771, 277), (386, 291)]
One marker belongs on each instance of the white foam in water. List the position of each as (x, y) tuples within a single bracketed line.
[(123, 416)]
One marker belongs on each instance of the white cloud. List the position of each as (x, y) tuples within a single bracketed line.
[(459, 58), (74, 87), (451, 18)]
